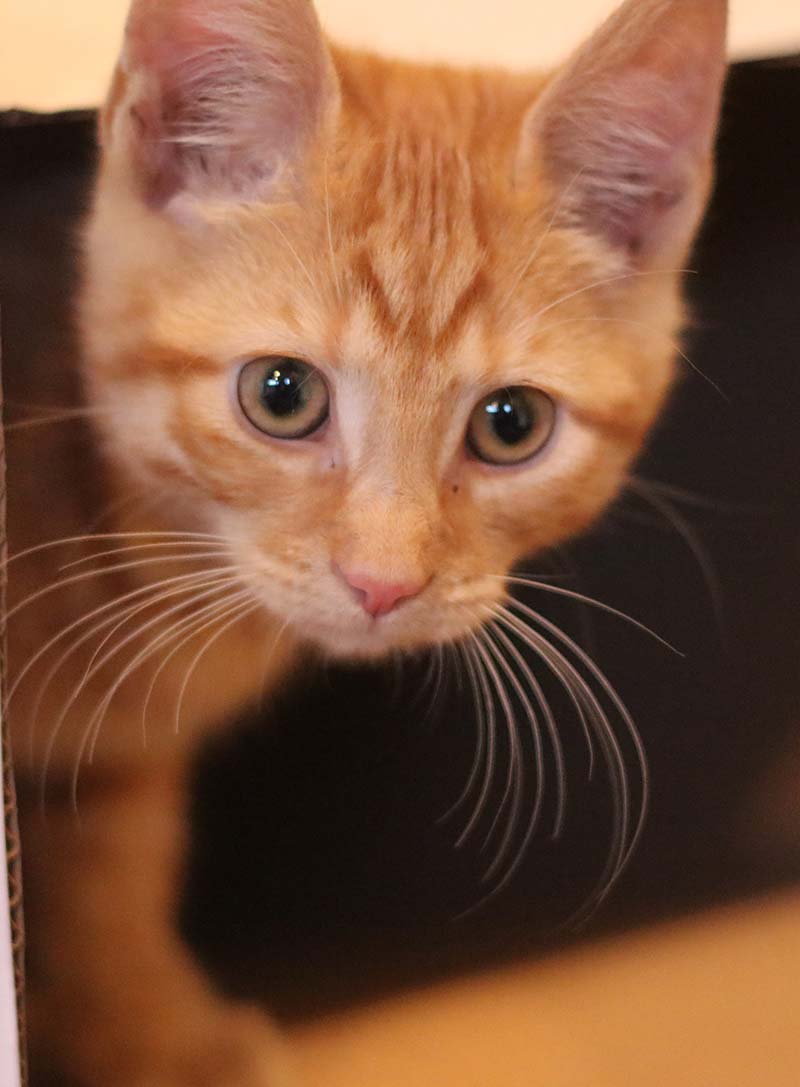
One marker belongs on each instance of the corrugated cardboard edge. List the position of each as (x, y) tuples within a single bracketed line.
[(12, 1039)]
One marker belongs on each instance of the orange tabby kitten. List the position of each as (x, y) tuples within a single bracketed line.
[(358, 335)]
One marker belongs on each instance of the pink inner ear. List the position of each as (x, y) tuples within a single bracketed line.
[(231, 92), (626, 130), (629, 150), (161, 36)]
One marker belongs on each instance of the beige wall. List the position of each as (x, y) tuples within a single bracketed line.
[(58, 53)]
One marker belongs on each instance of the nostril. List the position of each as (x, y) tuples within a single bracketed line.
[(376, 595)]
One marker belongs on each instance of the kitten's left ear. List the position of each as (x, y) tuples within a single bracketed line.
[(625, 131), (216, 99)]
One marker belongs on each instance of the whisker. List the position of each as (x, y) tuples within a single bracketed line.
[(141, 591), (90, 538), (540, 781), (55, 417), (199, 544), (88, 674), (638, 324), (480, 737), (491, 743), (177, 629), (437, 690), (428, 679), (268, 660), (314, 286), (504, 618), (329, 228), (607, 282), (155, 594), (512, 797), (201, 591), (689, 498), (550, 723), (571, 594), (451, 654), (87, 575), (254, 606), (543, 237), (574, 683), (630, 838), (396, 658), (693, 543), (95, 666), (92, 733)]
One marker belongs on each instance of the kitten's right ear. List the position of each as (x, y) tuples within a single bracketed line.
[(217, 99)]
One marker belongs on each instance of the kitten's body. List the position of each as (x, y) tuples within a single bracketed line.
[(426, 236)]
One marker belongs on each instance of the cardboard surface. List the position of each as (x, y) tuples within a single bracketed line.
[(9, 1037), (709, 1003), (10, 893)]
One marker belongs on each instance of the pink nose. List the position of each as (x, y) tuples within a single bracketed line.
[(379, 597)]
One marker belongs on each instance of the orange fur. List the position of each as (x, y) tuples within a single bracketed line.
[(416, 238)]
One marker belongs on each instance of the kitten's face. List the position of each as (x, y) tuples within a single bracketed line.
[(389, 380)]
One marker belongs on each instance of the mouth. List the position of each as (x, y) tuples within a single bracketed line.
[(342, 630), (373, 638)]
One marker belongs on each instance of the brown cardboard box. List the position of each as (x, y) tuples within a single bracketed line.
[(11, 928)]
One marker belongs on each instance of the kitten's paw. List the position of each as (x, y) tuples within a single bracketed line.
[(239, 1048), (218, 1047)]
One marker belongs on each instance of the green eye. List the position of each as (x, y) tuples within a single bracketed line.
[(511, 425), (285, 398)]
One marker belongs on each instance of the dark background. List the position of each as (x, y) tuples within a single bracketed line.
[(322, 873)]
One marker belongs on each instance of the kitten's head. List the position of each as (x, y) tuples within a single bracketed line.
[(388, 329)]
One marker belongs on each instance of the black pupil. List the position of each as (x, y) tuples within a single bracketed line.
[(283, 391), (511, 417)]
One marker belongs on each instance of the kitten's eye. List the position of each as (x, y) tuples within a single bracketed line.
[(511, 425), (283, 397)]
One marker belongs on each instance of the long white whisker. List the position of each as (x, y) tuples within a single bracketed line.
[(633, 734), (190, 557), (87, 575), (254, 606), (217, 608), (512, 797), (540, 778), (607, 282), (571, 594), (550, 724), (268, 660), (157, 594), (491, 742), (507, 620), (96, 666), (693, 543), (574, 683), (201, 591), (88, 674), (689, 498), (637, 324), (101, 536), (108, 606), (480, 740), (437, 690), (430, 675), (192, 625)]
